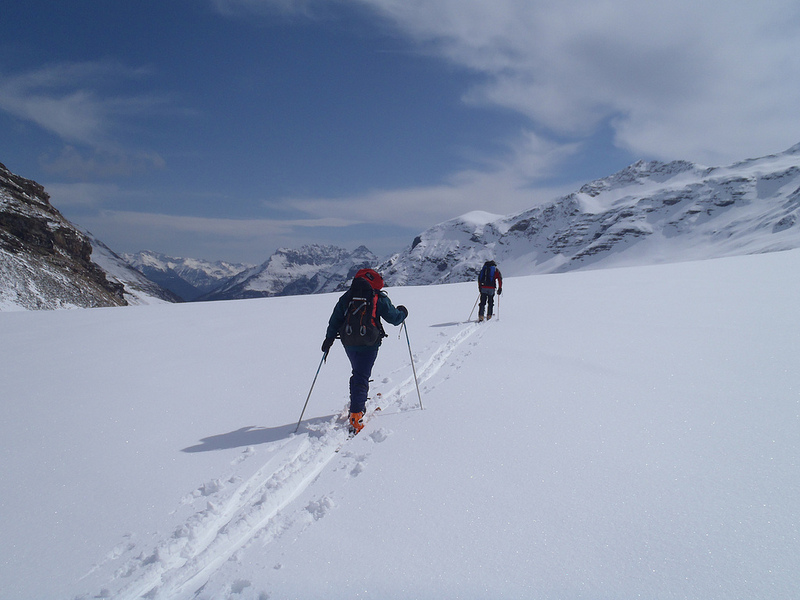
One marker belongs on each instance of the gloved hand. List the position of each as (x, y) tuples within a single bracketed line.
[(326, 345), (500, 291), (403, 310)]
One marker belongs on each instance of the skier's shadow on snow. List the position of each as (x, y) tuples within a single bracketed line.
[(249, 436), (451, 324)]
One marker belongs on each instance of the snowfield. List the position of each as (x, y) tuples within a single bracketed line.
[(614, 434)]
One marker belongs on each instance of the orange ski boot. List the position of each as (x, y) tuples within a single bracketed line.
[(356, 422)]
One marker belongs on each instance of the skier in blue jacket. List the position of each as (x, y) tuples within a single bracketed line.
[(489, 280), (362, 351)]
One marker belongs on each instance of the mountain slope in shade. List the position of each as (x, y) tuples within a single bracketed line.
[(138, 288), (188, 278)]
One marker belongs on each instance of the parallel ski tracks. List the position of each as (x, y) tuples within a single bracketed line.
[(181, 564)]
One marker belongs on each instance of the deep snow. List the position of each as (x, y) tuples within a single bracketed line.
[(615, 434)]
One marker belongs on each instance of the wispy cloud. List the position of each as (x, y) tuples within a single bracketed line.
[(708, 81), (84, 195), (246, 240), (233, 8), (503, 186), (72, 101), (64, 99), (101, 163), (233, 228), (711, 81)]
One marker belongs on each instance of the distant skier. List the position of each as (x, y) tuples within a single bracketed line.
[(489, 279), (356, 320)]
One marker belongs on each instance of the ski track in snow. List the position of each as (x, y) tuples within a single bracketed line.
[(182, 563)]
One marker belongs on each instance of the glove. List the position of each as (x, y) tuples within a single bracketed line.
[(500, 291), (403, 310), (326, 345)]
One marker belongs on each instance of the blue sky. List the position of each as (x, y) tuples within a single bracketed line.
[(224, 129)]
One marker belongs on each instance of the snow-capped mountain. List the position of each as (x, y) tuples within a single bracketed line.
[(311, 269), (650, 212), (138, 288), (189, 278), (48, 263)]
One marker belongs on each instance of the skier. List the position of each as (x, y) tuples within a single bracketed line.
[(356, 320), (488, 278)]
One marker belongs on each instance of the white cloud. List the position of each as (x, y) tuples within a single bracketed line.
[(67, 195), (240, 240), (66, 100), (233, 228), (233, 8), (709, 81), (713, 81), (101, 163), (506, 186)]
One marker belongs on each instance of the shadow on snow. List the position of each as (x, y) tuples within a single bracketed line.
[(252, 436)]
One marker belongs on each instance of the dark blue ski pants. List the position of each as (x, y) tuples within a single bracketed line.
[(362, 361), (486, 295)]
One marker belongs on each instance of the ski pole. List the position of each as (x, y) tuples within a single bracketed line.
[(413, 368), (324, 356), (473, 307)]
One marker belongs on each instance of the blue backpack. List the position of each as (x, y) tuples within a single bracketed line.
[(486, 278)]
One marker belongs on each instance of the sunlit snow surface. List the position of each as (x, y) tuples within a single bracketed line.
[(611, 434)]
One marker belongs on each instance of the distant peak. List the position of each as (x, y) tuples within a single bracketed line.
[(479, 217), (794, 149)]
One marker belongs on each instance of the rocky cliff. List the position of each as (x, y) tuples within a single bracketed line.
[(47, 263)]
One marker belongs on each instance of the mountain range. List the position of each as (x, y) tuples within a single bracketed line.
[(311, 269), (649, 212), (188, 278)]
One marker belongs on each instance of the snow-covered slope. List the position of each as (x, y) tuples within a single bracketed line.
[(649, 213), (188, 278), (311, 269), (137, 287), (623, 433), (449, 252)]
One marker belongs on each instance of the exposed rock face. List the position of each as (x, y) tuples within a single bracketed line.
[(46, 261)]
